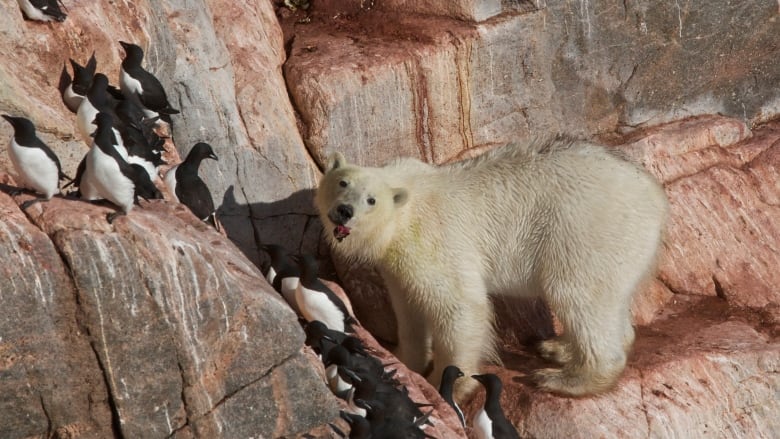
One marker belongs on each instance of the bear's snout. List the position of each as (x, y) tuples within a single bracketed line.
[(342, 214)]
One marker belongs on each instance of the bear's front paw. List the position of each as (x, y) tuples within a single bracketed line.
[(464, 389)]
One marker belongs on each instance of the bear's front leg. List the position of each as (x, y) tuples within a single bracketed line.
[(463, 335), (414, 336)]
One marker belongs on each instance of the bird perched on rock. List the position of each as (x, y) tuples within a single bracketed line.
[(317, 301), (111, 176), (74, 90), (283, 273), (359, 428), (184, 183), (448, 377), (489, 421), (96, 101), (138, 84), (37, 165), (42, 10)]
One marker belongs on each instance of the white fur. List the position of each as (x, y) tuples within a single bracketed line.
[(315, 305), (569, 222), (36, 170), (104, 177)]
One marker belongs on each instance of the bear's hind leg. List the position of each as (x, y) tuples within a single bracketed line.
[(598, 351)]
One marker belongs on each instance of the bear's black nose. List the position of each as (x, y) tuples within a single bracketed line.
[(344, 212)]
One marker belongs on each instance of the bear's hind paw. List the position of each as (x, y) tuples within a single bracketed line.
[(555, 350), (569, 383)]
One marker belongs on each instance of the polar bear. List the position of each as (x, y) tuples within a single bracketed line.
[(569, 221)]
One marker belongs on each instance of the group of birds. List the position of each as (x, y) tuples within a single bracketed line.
[(125, 154), (378, 406)]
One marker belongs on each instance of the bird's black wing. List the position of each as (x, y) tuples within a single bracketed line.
[(154, 97), (193, 193)]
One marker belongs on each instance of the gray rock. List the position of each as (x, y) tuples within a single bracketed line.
[(172, 322)]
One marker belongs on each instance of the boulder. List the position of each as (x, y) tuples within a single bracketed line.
[(161, 324)]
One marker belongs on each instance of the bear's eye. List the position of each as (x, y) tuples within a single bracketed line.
[(343, 183), (371, 201)]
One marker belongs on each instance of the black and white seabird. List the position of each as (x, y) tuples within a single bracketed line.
[(74, 90), (38, 167), (96, 101), (184, 183), (448, 377), (359, 428), (109, 173), (42, 10), (317, 301), (489, 422), (137, 83), (283, 273), (136, 138)]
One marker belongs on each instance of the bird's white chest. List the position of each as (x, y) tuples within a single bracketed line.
[(482, 425), (146, 164), (35, 168), (170, 183), (316, 306), (128, 84), (71, 98), (289, 286), (32, 13), (108, 181), (84, 117)]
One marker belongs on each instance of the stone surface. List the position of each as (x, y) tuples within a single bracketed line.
[(50, 380), (703, 370), (376, 84), (724, 188), (177, 331)]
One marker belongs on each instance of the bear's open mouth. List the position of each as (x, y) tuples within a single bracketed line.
[(340, 232)]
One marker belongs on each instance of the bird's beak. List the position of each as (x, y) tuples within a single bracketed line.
[(213, 156)]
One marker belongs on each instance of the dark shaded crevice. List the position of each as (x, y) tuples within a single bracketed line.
[(183, 399), (116, 421), (49, 427), (248, 384), (642, 402), (303, 125)]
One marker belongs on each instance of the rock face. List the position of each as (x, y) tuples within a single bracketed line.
[(155, 326), (374, 85)]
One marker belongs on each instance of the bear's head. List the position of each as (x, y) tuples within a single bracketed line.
[(356, 206)]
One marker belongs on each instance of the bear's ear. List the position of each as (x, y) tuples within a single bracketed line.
[(335, 161), (400, 196)]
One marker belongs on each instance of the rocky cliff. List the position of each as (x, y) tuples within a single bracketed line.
[(157, 326)]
